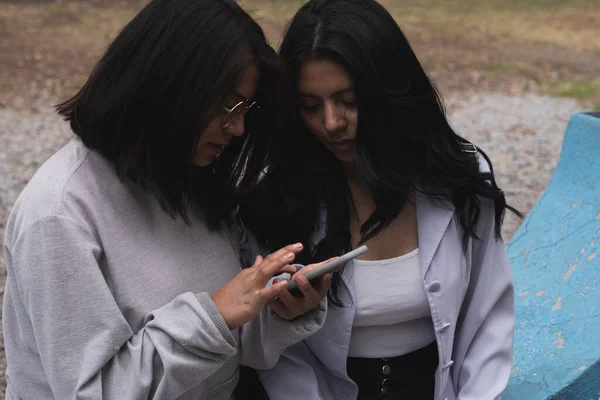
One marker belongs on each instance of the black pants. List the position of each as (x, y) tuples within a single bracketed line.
[(407, 377), (249, 387)]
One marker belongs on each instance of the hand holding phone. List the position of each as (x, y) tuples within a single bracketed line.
[(327, 267)]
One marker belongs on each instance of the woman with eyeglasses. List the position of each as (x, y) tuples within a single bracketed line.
[(124, 272), (428, 311)]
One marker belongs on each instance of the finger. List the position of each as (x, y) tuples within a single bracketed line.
[(283, 252), (325, 284), (275, 261), (269, 267), (311, 296), (310, 267), (289, 268), (272, 291), (293, 303), (288, 296), (257, 260), (280, 309)]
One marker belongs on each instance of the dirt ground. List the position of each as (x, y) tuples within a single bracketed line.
[(47, 48)]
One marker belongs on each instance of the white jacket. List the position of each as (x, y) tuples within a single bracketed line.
[(471, 298)]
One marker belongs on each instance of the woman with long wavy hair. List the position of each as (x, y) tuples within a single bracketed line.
[(428, 311)]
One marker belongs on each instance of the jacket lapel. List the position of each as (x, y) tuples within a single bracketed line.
[(433, 218)]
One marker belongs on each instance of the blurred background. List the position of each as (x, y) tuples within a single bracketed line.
[(511, 73)]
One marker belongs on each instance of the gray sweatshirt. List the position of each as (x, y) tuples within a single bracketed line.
[(109, 297)]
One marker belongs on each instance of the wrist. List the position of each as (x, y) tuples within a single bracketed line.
[(222, 308)]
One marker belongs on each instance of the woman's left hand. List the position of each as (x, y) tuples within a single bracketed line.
[(288, 306)]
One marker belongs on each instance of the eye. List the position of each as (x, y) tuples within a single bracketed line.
[(310, 107), (349, 100)]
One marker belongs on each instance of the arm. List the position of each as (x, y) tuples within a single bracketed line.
[(265, 338), (86, 346), (486, 323)]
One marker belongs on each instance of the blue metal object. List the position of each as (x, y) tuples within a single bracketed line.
[(555, 257)]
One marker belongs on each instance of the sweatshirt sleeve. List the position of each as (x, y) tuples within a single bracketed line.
[(86, 346), (265, 338)]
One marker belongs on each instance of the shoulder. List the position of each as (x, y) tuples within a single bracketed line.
[(485, 165), (58, 189)]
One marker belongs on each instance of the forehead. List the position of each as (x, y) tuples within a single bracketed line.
[(322, 78), (246, 88)]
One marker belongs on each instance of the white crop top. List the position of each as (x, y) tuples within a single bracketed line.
[(392, 313)]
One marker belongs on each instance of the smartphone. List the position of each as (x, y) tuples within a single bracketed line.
[(327, 267)]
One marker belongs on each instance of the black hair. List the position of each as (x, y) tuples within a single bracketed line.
[(158, 85), (404, 141)]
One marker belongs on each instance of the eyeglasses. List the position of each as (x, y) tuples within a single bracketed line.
[(238, 110)]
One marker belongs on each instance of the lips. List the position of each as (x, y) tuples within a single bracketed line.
[(341, 145)]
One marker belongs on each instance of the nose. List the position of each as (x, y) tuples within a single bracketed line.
[(237, 126), (335, 118)]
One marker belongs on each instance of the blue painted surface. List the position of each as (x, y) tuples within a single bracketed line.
[(555, 257)]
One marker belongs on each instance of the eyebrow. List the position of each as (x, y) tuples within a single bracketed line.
[(342, 91)]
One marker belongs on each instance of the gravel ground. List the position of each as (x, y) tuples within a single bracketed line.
[(521, 134)]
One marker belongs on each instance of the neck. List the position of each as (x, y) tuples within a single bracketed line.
[(351, 173), (361, 199)]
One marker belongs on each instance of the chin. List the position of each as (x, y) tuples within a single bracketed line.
[(203, 161), (345, 158)]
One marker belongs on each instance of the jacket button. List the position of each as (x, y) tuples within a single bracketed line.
[(448, 364), (444, 327), (386, 369), (384, 388), (434, 286)]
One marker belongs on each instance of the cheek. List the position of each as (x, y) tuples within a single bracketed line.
[(352, 118), (314, 124), (212, 130)]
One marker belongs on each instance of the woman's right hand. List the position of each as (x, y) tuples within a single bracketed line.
[(243, 297)]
